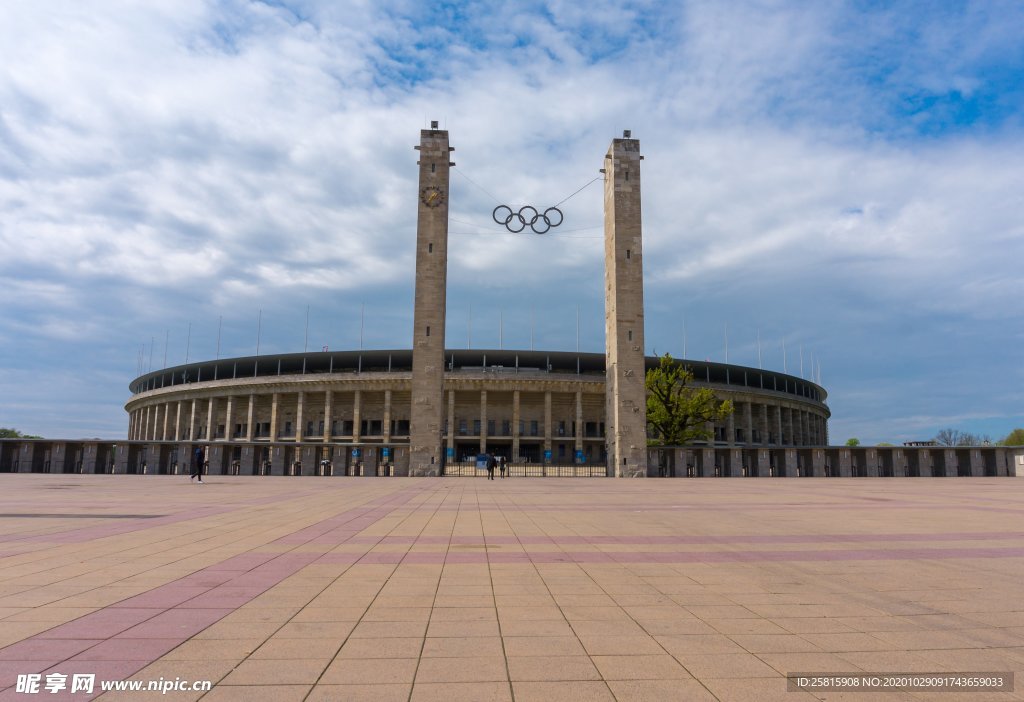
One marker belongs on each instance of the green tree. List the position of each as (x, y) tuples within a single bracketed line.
[(6, 433), (1014, 438), (853, 442), (678, 414)]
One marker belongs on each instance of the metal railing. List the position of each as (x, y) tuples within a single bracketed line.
[(527, 470)]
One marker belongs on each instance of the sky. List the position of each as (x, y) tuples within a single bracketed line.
[(839, 180)]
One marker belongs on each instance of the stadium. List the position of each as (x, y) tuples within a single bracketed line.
[(534, 407)]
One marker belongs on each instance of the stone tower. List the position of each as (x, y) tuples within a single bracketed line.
[(626, 398), (425, 421)]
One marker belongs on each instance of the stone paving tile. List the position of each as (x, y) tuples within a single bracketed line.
[(576, 691), (280, 672), (462, 647), (653, 667), (461, 692), (370, 671), (669, 690), (251, 693), (469, 669), (384, 589), (552, 668)]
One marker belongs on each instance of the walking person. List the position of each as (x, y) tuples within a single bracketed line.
[(197, 464), (490, 466), (503, 466)]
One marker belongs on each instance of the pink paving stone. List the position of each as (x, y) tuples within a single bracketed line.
[(100, 624), (36, 649), (243, 562), (382, 558), (120, 649), (10, 670), (163, 597)]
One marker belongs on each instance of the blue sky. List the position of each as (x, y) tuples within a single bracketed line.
[(840, 178)]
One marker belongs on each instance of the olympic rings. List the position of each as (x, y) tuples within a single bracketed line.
[(527, 216)]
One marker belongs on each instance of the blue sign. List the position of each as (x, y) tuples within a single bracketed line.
[(481, 461), (450, 452), (547, 456), (385, 452), (579, 456), (356, 453)]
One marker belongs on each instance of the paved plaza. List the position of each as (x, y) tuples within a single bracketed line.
[(527, 589)]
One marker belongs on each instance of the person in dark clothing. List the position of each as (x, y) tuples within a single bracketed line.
[(490, 466), (197, 464), (502, 466)]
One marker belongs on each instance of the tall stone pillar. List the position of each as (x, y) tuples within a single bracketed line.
[(625, 395), (300, 407), (177, 422), (273, 417), (192, 422), (429, 314), (387, 417), (167, 414)]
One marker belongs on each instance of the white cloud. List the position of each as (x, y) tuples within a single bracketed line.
[(180, 161)]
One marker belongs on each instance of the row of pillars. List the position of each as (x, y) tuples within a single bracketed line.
[(750, 424)]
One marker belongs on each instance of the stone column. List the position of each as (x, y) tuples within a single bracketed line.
[(167, 416), (249, 417), (192, 422), (328, 415), (778, 426), (387, 417), (762, 423), (273, 417), (483, 421), (748, 421), (357, 411), (730, 428), (145, 431), (515, 425), (579, 425), (300, 406), (229, 415), (450, 446), (210, 433), (177, 422), (547, 421), (625, 395), (429, 306)]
